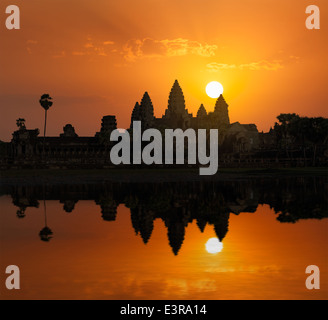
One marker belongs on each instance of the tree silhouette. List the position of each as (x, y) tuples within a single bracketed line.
[(21, 212), (45, 234), (46, 103), (293, 130), (317, 134), (285, 129), (20, 123)]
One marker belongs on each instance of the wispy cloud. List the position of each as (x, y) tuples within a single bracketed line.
[(92, 47), (61, 54), (215, 66), (149, 48), (31, 41), (258, 65), (30, 44), (106, 43), (135, 48), (264, 64)]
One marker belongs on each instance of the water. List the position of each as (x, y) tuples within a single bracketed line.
[(148, 241)]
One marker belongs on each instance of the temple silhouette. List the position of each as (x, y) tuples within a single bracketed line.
[(240, 145), (177, 116)]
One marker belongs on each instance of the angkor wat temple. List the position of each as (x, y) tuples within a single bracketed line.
[(240, 145)]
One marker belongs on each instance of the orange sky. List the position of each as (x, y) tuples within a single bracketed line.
[(98, 59)]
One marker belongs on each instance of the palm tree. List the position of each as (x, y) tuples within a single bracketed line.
[(45, 234), (21, 123), (46, 103)]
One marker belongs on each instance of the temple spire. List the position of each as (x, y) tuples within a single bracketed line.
[(135, 116), (221, 110), (146, 111), (176, 99), (201, 112)]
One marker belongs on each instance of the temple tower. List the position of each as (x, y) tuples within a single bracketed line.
[(221, 113), (146, 112), (201, 113), (221, 225), (176, 115), (201, 117), (135, 116), (108, 123), (176, 234), (146, 223), (176, 99), (69, 132)]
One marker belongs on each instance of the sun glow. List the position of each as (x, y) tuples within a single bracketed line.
[(214, 89), (213, 245)]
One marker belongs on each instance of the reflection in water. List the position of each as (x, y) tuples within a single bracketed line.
[(179, 204), (214, 245), (98, 250), (46, 233)]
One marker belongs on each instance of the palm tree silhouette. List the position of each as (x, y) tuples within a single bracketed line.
[(21, 123), (46, 103), (21, 212)]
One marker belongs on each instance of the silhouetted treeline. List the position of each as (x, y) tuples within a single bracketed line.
[(295, 134)]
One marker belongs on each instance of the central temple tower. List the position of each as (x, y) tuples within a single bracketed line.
[(176, 115)]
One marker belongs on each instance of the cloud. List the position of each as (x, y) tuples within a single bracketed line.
[(61, 54), (135, 49), (149, 48), (214, 66), (92, 47), (30, 44), (142, 48), (263, 65), (258, 65), (180, 47), (270, 65), (88, 45), (78, 53)]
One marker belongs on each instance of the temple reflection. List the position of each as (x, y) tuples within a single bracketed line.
[(180, 203)]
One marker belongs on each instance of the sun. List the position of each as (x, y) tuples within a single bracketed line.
[(213, 245), (214, 89)]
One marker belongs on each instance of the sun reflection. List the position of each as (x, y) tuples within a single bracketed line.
[(213, 245)]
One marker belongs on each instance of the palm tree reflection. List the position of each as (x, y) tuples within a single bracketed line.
[(46, 233), (20, 213)]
